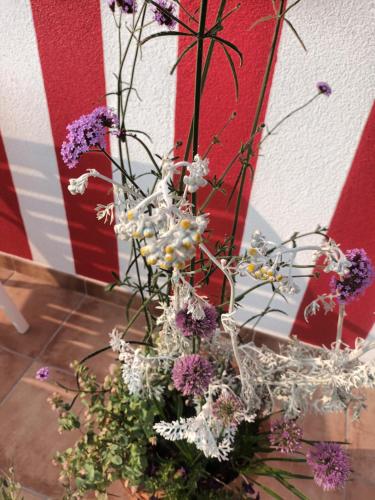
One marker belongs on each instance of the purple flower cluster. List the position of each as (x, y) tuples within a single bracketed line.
[(42, 374), (161, 16), (359, 276), (226, 409), (204, 327), (285, 435), (192, 374), (324, 88), (127, 6), (87, 132), (330, 465)]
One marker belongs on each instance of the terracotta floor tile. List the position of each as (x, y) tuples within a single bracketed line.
[(360, 491), (5, 274), (44, 306), (28, 433), (86, 331), (28, 495), (11, 369), (361, 433), (327, 427)]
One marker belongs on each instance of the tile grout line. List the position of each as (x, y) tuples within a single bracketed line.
[(63, 323), (78, 305), (34, 492)]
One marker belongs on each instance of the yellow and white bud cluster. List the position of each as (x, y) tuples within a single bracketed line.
[(198, 169), (168, 239)]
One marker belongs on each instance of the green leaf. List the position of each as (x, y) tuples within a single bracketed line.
[(116, 460), (164, 33), (229, 44), (182, 55), (295, 33), (267, 490), (233, 69)]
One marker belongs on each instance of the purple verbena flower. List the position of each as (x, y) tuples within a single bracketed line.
[(330, 465), (127, 6), (192, 374), (359, 276), (161, 16), (204, 327), (285, 435), (42, 374), (87, 132), (227, 409), (324, 88), (111, 4)]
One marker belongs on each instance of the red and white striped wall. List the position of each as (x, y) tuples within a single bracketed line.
[(57, 62)]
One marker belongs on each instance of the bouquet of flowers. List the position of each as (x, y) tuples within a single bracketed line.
[(195, 409)]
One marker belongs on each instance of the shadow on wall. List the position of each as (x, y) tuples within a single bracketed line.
[(77, 243)]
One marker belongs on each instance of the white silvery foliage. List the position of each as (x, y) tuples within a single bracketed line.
[(203, 430), (170, 341), (141, 373), (303, 378)]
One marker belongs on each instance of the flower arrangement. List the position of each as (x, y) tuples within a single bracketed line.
[(190, 409)]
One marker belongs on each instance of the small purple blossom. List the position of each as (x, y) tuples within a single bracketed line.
[(111, 4), (330, 465), (87, 132), (324, 88), (127, 6), (192, 374), (161, 16), (42, 374), (227, 408), (358, 277), (285, 435), (204, 327)]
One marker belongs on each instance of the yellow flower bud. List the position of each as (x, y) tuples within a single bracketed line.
[(185, 224), (251, 268), (270, 272), (169, 249), (258, 274), (169, 258), (145, 251), (151, 261), (186, 243), (197, 237), (130, 215), (148, 233), (279, 277), (179, 265), (136, 234), (252, 251)]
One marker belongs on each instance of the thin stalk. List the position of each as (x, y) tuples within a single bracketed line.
[(340, 324), (204, 77), (197, 99), (250, 144)]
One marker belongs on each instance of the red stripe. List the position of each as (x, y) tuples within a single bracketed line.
[(353, 226), (70, 47), (219, 102), (14, 238)]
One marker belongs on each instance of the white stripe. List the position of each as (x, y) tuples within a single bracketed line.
[(155, 113), (303, 167), (26, 130)]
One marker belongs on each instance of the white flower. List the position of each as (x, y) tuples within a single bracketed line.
[(79, 185), (197, 170), (116, 341)]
